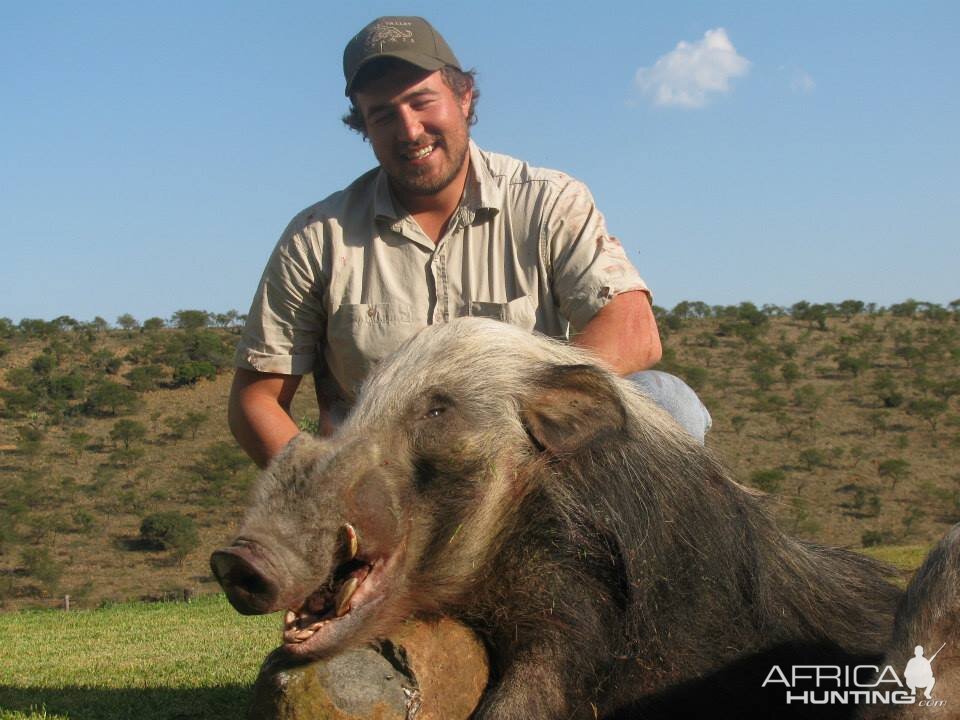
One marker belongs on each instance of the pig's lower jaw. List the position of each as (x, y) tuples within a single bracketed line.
[(345, 614)]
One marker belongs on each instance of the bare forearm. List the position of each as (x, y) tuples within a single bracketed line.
[(623, 334), (259, 413)]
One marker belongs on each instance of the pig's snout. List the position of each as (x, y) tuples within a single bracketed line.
[(246, 579)]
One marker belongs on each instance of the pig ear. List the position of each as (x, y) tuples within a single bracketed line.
[(570, 406)]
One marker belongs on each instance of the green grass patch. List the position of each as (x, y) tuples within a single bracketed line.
[(906, 558), (149, 661)]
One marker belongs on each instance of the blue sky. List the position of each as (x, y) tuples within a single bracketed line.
[(152, 152)]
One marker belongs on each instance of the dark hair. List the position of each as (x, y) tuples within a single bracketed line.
[(459, 81)]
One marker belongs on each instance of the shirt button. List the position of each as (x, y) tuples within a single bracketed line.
[(371, 312)]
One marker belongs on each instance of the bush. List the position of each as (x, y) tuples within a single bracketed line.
[(872, 538), (180, 425), (110, 398), (170, 531), (190, 372), (770, 481), (40, 565), (896, 469), (127, 432), (8, 534), (812, 458), (84, 521), (220, 464), (145, 377)]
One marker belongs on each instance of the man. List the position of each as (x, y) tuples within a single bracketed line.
[(439, 230)]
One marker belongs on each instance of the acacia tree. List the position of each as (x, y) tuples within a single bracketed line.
[(191, 319), (896, 469), (127, 322), (127, 432)]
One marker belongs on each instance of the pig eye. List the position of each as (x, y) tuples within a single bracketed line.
[(436, 404)]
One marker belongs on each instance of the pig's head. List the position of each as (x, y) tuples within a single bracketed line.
[(404, 509)]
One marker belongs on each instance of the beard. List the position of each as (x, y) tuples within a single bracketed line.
[(427, 180)]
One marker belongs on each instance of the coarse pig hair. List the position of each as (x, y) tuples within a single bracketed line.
[(608, 561)]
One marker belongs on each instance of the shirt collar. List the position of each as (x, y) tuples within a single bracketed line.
[(482, 191)]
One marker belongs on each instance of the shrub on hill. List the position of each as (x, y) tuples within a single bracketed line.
[(190, 372), (110, 398), (170, 531), (40, 565)]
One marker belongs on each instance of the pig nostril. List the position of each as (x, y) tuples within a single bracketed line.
[(247, 581), (249, 590)]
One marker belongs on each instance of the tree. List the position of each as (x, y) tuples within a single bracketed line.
[(220, 463), (110, 398), (191, 319), (790, 372), (145, 377), (886, 388), (896, 469), (928, 409), (812, 458), (182, 424), (128, 322), (190, 372), (849, 308), (40, 564), (170, 530), (154, 323), (770, 481), (226, 319), (127, 432), (853, 364), (78, 443)]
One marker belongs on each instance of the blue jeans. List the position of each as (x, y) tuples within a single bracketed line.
[(677, 398)]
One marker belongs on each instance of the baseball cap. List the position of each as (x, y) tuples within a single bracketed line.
[(407, 38)]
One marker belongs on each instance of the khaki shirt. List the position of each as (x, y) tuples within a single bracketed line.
[(354, 276)]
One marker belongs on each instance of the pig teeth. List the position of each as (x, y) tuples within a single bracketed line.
[(343, 597), (289, 618), (350, 540), (303, 635)]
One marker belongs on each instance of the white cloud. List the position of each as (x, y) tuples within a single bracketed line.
[(802, 83), (689, 73)]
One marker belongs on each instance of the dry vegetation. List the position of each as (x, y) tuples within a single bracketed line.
[(847, 415)]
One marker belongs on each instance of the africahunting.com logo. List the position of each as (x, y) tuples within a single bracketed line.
[(859, 684)]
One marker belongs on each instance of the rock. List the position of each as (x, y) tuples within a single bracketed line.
[(424, 671)]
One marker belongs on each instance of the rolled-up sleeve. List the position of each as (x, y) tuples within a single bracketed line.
[(589, 266), (286, 324)]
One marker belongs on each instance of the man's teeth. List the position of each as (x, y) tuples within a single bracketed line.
[(422, 152)]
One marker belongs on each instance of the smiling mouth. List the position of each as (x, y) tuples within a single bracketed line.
[(419, 153)]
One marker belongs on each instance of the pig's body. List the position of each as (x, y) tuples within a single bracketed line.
[(609, 564)]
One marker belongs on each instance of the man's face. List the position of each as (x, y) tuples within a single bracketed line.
[(417, 126)]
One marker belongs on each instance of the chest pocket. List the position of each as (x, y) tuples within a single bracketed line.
[(520, 312), (359, 336)]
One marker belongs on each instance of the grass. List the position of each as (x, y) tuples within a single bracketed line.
[(903, 557), (158, 661), (133, 660)]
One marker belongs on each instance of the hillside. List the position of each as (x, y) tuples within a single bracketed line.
[(847, 415)]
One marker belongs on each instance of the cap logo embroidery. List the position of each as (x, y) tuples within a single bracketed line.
[(388, 34)]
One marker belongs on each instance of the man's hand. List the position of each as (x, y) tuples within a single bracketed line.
[(259, 412), (624, 334)]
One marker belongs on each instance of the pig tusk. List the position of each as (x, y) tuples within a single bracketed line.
[(344, 596), (350, 540)]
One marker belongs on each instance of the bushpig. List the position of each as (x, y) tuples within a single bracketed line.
[(609, 563)]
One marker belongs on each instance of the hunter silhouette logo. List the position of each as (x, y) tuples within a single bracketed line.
[(919, 671)]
